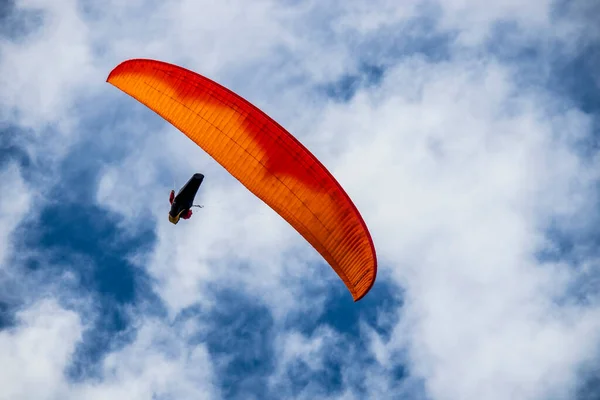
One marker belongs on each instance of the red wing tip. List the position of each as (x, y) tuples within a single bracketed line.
[(126, 63), (364, 293), (360, 297), (116, 69)]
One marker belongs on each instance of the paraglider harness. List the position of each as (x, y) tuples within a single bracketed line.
[(182, 204)]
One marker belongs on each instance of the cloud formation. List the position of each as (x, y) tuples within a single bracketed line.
[(464, 132)]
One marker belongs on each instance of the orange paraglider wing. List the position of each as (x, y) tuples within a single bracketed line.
[(264, 157)]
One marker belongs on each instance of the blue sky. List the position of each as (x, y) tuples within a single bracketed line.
[(465, 133)]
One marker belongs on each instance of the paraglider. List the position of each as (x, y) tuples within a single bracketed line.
[(181, 205), (263, 157)]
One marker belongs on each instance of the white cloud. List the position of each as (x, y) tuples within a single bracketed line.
[(473, 20), (34, 355), (14, 205), (462, 189), (158, 363), (39, 76)]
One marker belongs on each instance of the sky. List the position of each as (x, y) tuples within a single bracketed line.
[(467, 134)]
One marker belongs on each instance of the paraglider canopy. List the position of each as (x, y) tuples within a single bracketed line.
[(264, 157)]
